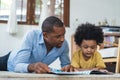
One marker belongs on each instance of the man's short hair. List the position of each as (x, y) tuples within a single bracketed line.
[(50, 22)]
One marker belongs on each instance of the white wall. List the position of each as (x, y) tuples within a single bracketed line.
[(81, 11), (94, 11), (10, 42)]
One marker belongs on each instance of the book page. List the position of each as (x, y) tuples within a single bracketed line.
[(85, 72)]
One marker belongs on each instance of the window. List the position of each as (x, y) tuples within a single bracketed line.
[(28, 11)]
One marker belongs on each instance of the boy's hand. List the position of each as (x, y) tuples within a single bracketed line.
[(106, 71)]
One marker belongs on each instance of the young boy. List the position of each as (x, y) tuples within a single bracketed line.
[(87, 37)]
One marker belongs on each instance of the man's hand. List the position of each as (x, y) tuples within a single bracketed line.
[(38, 68), (68, 68)]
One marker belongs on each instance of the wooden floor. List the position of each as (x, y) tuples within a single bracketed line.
[(33, 76)]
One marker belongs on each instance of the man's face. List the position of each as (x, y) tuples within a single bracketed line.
[(55, 38), (88, 48)]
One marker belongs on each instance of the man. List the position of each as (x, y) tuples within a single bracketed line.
[(41, 48)]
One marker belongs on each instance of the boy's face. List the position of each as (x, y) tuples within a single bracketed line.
[(88, 48)]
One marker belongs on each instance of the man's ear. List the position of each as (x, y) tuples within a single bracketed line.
[(44, 34)]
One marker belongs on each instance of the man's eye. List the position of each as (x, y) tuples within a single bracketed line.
[(57, 36)]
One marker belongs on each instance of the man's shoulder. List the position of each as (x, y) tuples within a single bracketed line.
[(65, 43), (34, 32)]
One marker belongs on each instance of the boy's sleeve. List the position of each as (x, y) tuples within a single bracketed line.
[(100, 62), (75, 60)]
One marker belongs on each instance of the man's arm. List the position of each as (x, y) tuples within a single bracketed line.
[(21, 60), (64, 58)]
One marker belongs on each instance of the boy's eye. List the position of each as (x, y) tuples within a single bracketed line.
[(92, 47), (85, 47)]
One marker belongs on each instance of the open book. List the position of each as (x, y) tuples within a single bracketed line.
[(86, 72)]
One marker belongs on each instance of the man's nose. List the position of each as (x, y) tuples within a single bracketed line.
[(62, 38)]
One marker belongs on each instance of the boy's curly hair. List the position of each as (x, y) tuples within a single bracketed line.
[(88, 32)]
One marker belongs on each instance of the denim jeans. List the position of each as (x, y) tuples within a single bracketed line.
[(3, 62)]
